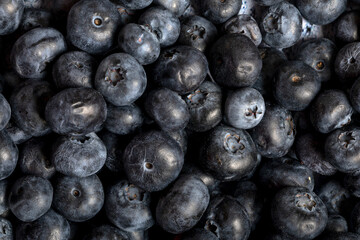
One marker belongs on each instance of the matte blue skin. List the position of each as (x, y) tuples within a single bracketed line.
[(10, 20), (9, 154)]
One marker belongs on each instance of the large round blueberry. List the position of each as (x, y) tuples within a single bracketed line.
[(244, 108), (76, 111), (330, 110), (163, 23), (140, 42), (205, 107), (78, 199), (220, 11), (181, 69), (50, 226), (275, 134), (299, 213), (177, 7), (128, 207), (33, 51), (5, 112), (8, 155), (153, 160), (30, 197), (74, 69), (228, 153), (120, 79), (92, 26), (281, 25), (168, 110), (235, 61), (10, 15), (78, 156), (347, 62)]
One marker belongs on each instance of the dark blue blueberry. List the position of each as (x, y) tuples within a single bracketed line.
[(128, 207), (6, 227), (342, 149), (78, 156), (78, 199), (337, 224), (299, 213), (133, 4), (275, 134), (347, 27), (163, 23), (281, 25), (8, 155), (181, 69), (205, 107), (330, 110), (321, 12), (92, 26), (35, 18), (120, 79), (30, 198), (5, 112), (123, 120), (50, 226), (347, 62), (180, 137), (245, 25), (197, 32), (33, 51), (320, 55), (219, 11), (168, 110), (153, 160), (177, 7), (10, 15), (35, 158), (106, 232), (228, 153), (334, 196), (244, 108), (76, 111), (74, 69), (138, 41), (235, 61)]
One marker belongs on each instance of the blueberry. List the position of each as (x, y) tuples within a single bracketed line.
[(220, 11), (347, 27), (74, 69), (235, 225), (310, 152), (133, 4), (183, 205), (78, 199), (246, 25), (320, 12), (163, 23), (16, 134), (299, 213), (336, 223), (208, 179), (320, 55), (342, 149), (78, 156), (76, 111), (34, 18), (181, 69), (123, 120), (50, 226), (330, 110), (5, 112), (281, 25), (168, 110), (352, 183), (4, 195), (92, 26), (35, 158), (228, 153), (33, 51), (120, 79), (177, 7), (10, 15), (138, 41), (127, 207), (6, 229), (197, 32), (244, 108), (235, 61), (275, 134), (347, 62), (205, 107), (296, 84), (181, 137), (30, 198), (8, 155), (106, 232), (153, 160), (334, 196)]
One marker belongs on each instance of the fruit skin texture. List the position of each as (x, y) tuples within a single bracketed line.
[(347, 62), (133, 4), (34, 50), (7, 229), (106, 232), (220, 11), (76, 111), (10, 19), (153, 160), (299, 213), (347, 27), (9, 154), (228, 153), (5, 112), (128, 207), (177, 7), (235, 61), (30, 198), (120, 79)]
